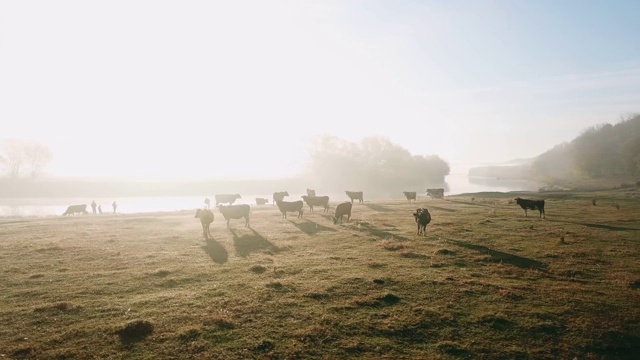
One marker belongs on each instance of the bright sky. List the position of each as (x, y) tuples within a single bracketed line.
[(239, 88)]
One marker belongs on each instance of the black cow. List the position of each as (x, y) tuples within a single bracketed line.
[(527, 204), (226, 198), (423, 218), (341, 210), (410, 195), (355, 195), (317, 201), (279, 196), (290, 206), (235, 212), (436, 193), (76, 209), (261, 201), (206, 218)]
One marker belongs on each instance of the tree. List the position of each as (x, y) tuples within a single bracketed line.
[(374, 165), (20, 156)]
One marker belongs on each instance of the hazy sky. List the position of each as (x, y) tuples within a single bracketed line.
[(238, 88)]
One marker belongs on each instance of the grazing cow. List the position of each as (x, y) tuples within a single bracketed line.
[(206, 218), (423, 218), (436, 193), (355, 195), (207, 203), (410, 195), (261, 201), (226, 198), (341, 210), (527, 204), (290, 206), (317, 201), (235, 212), (76, 209), (311, 193), (279, 196)]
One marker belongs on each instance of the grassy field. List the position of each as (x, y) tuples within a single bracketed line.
[(486, 283)]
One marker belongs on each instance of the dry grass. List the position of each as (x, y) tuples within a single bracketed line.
[(485, 283)]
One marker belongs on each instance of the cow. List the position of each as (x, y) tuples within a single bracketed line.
[(226, 198), (410, 195), (436, 193), (341, 210), (235, 212), (311, 193), (423, 218), (72, 209), (290, 206), (261, 201), (279, 196), (355, 195), (206, 218), (527, 204), (317, 201)]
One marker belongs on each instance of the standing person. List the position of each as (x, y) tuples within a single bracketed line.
[(114, 207), (207, 203), (93, 206), (100, 209)]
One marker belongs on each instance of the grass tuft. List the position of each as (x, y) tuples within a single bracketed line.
[(135, 331), (258, 269)]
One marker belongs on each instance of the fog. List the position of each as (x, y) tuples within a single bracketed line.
[(241, 89)]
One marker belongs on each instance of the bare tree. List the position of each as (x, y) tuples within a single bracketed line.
[(21, 156)]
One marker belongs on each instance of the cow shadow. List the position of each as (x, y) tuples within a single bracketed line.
[(365, 227), (598, 226), (216, 252), (377, 207), (311, 227), (503, 257), (248, 243)]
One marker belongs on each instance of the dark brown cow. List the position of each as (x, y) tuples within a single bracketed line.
[(76, 209), (410, 195), (206, 218), (235, 212), (527, 204), (290, 206), (436, 193), (423, 218), (342, 210), (261, 201), (317, 201)]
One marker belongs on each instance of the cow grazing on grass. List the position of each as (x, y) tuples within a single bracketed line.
[(261, 201), (290, 206), (527, 204), (410, 195), (423, 218), (279, 196), (76, 209), (342, 210), (317, 201), (355, 195), (235, 212), (436, 193), (206, 218), (311, 193), (226, 198)]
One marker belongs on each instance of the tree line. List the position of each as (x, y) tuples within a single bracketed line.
[(24, 158), (600, 151)]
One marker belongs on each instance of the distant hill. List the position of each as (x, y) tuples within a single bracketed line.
[(602, 151)]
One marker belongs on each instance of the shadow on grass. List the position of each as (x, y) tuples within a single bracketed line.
[(309, 227), (470, 203), (441, 208), (248, 243), (503, 257), (216, 252), (365, 227), (598, 226), (378, 207)]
